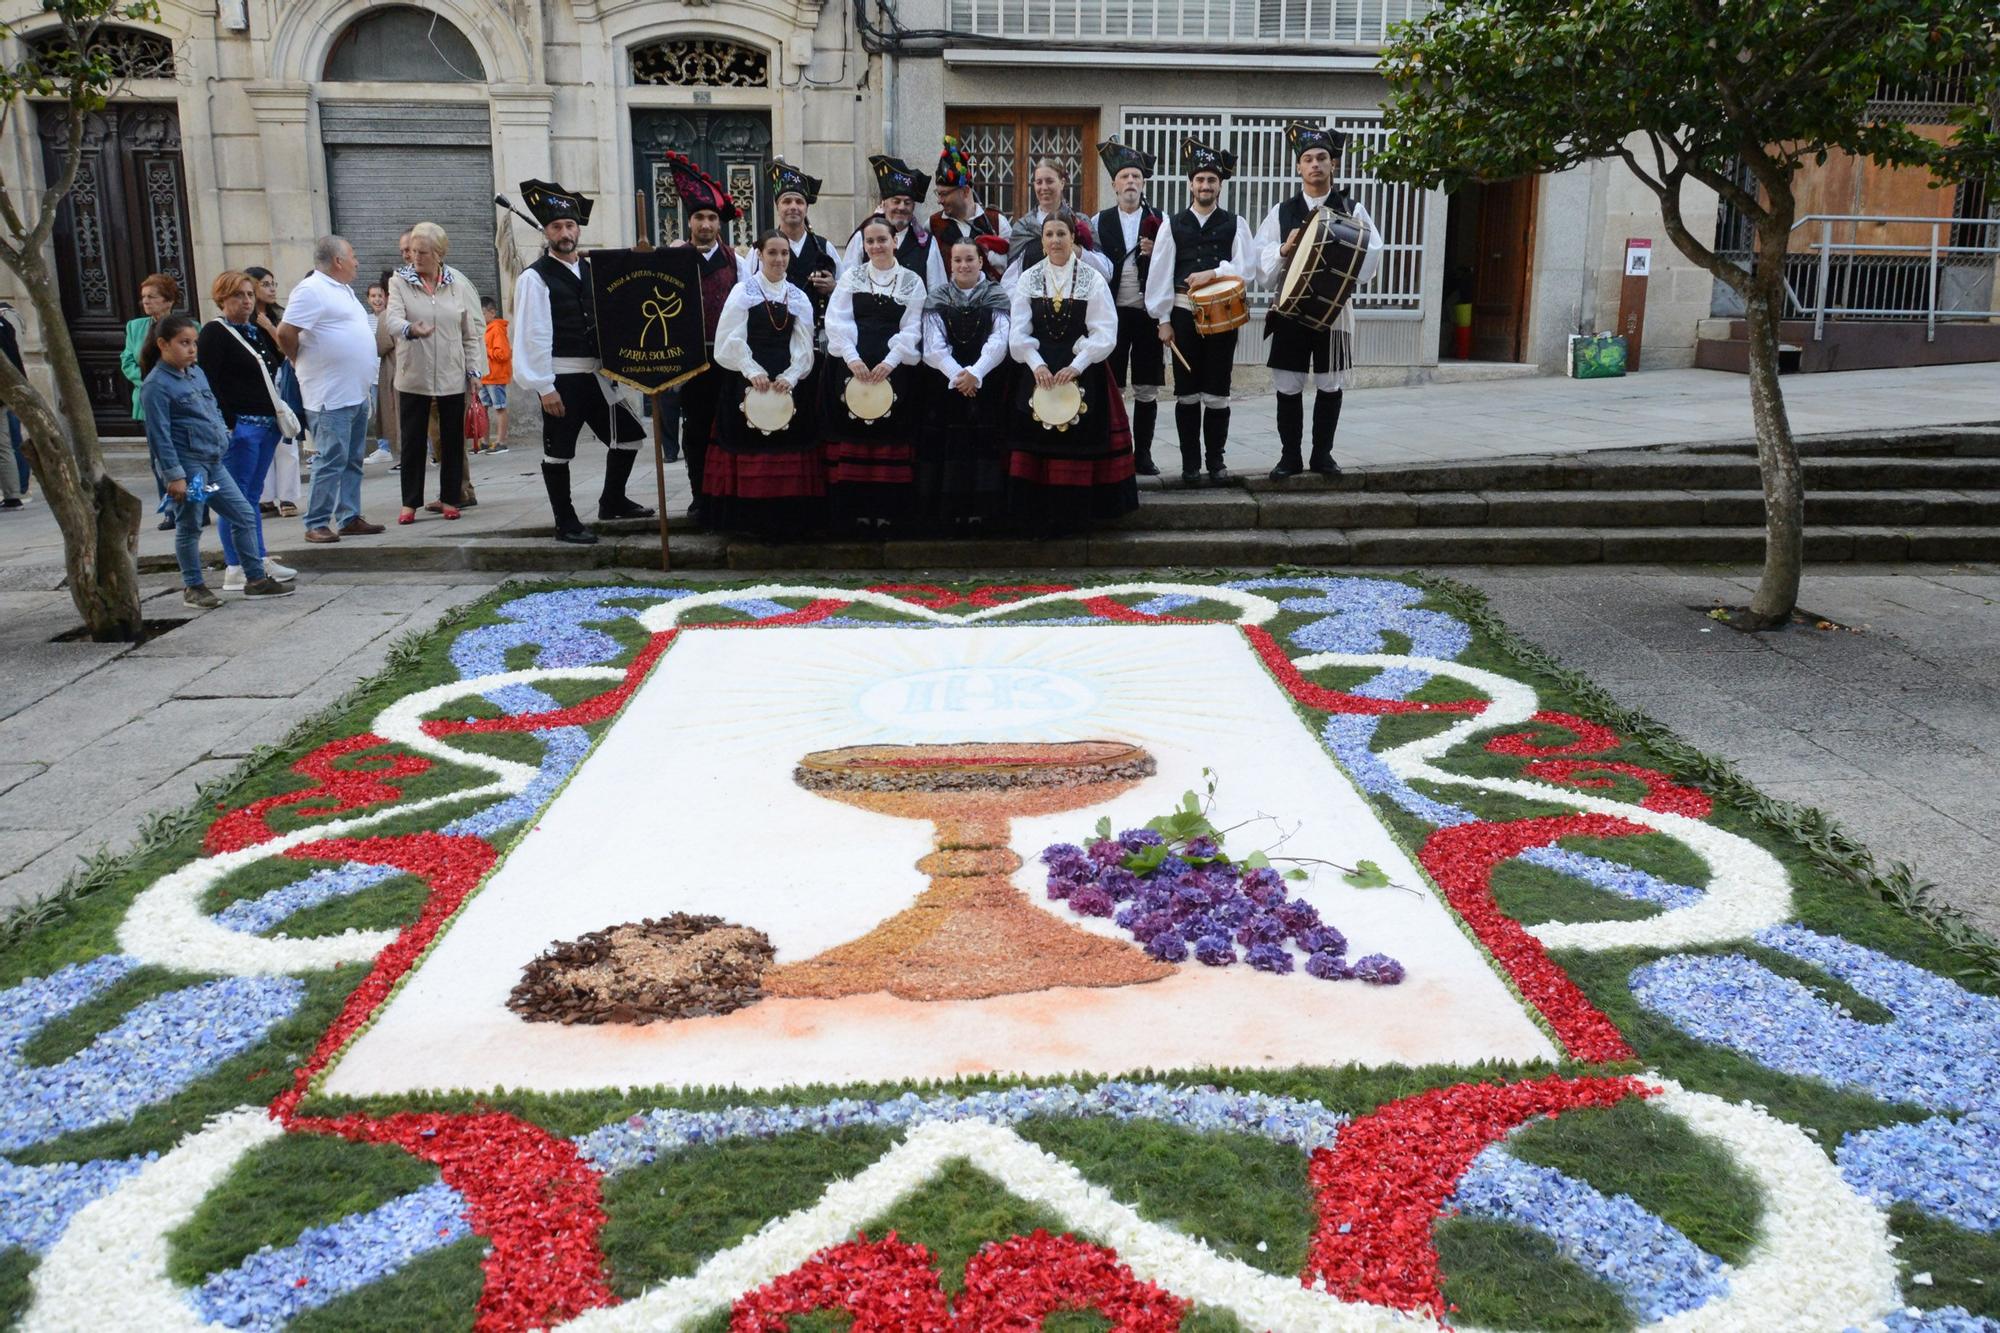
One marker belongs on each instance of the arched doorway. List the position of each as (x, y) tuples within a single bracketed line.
[(730, 143), (391, 163)]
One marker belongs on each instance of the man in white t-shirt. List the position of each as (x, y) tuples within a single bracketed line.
[(331, 340)]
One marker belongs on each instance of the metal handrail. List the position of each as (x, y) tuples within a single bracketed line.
[(1827, 248)]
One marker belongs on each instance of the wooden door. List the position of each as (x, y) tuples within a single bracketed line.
[(126, 217), (1503, 262), (731, 146), (1005, 143)]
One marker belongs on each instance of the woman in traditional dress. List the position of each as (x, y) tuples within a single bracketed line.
[(768, 482), (1063, 475), (874, 335), (962, 455)]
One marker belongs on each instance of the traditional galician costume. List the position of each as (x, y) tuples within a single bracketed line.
[(915, 248), (720, 271), (1299, 353), (875, 318), (812, 253), (1126, 236), (963, 216), (1062, 479), (769, 482), (1199, 244), (962, 454), (556, 359)]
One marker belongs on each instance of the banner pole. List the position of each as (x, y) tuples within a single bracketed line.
[(660, 478)]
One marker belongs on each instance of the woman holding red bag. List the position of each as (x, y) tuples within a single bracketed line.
[(433, 320)]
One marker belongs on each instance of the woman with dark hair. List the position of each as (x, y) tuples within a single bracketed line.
[(874, 339), (1065, 471), (186, 440), (962, 456), (764, 478), (282, 486)]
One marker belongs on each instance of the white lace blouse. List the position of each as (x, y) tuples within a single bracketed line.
[(906, 347), (1072, 281), (732, 330)]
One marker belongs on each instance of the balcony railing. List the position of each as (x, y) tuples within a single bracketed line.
[(1933, 269), (1362, 23)]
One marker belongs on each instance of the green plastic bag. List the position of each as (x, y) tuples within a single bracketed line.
[(1596, 356)]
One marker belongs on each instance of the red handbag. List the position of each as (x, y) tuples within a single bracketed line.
[(475, 417)]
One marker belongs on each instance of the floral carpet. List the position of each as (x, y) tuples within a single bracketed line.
[(1272, 953)]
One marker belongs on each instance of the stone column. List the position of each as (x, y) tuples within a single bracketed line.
[(283, 115), (523, 119)]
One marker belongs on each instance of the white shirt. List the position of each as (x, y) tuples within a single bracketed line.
[(1076, 281), (937, 348), (798, 247), (337, 361), (732, 330), (1160, 278), (906, 347), (934, 270), (533, 333), (1128, 276)]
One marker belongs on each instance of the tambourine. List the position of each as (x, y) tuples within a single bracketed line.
[(1058, 406), (868, 402), (768, 411)]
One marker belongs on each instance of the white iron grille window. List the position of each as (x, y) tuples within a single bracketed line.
[(1265, 174), (1213, 22)]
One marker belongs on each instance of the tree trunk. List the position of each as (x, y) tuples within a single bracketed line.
[(1777, 455)]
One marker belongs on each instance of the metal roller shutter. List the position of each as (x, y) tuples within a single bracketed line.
[(390, 166)]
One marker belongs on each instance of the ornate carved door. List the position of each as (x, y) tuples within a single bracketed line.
[(731, 146), (126, 217)]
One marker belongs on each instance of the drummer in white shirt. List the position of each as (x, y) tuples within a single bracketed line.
[(1299, 352)]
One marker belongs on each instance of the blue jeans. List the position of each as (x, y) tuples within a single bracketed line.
[(237, 514), (252, 442), (341, 434)]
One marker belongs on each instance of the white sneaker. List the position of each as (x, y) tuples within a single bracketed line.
[(282, 573), (379, 456), (232, 579)]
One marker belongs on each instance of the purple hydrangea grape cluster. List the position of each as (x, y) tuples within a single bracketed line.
[(1197, 903)]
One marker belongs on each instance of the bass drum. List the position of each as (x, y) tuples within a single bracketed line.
[(1320, 280)]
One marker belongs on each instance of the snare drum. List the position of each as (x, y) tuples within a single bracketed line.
[(769, 411), (1319, 282), (1219, 306), (869, 402), (1058, 406)]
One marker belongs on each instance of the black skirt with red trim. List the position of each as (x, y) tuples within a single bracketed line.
[(770, 485), (1065, 481), (870, 465)]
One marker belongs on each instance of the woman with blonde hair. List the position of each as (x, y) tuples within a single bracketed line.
[(433, 320), (158, 295), (241, 365)]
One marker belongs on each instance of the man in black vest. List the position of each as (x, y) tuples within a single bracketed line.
[(899, 187), (707, 206), (815, 266), (1199, 244), (1126, 235), (556, 358), (1297, 351)]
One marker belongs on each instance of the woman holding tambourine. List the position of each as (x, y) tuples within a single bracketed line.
[(1071, 450), (873, 404), (764, 472), (962, 455)]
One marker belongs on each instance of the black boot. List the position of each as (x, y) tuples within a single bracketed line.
[(613, 502), (1187, 421), (1326, 419), (1143, 416), (1291, 432), (1214, 439), (569, 528)]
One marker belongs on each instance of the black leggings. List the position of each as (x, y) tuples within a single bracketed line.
[(414, 425)]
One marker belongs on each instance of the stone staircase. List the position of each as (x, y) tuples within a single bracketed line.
[(1932, 495)]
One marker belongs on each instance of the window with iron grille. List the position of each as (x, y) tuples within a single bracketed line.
[(1266, 174), (1006, 143), (1210, 22), (1930, 100)]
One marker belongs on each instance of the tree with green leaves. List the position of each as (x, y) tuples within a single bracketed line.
[(1683, 91), (70, 74)]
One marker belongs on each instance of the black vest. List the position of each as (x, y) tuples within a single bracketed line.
[(1294, 211), (1111, 242), (913, 252), (815, 256), (769, 333), (1198, 247), (571, 315)]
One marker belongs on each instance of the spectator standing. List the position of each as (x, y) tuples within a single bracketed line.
[(241, 363), (328, 336), (186, 440), (434, 317), (282, 488), (493, 385), (382, 396), (158, 295), (14, 487)]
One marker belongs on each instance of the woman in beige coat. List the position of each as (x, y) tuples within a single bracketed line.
[(434, 321)]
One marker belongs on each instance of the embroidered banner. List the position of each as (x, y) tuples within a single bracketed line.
[(649, 326)]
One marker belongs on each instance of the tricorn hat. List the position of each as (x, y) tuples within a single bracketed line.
[(549, 202), (1198, 156), (893, 176), (698, 189), (1302, 136), (954, 166), (1116, 157), (788, 179)]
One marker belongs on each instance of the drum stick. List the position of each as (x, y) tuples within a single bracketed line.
[(1176, 348)]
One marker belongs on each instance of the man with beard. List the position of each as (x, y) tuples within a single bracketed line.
[(1296, 350), (555, 358), (1201, 243), (815, 266), (962, 217), (708, 206), (1127, 233), (1050, 183), (899, 187)]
